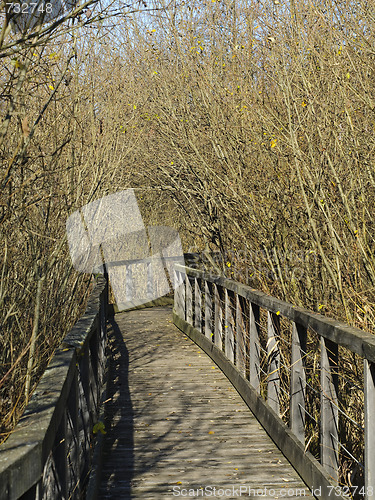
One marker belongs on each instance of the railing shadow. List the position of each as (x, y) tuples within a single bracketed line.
[(119, 427)]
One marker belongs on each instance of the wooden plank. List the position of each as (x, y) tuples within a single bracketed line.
[(241, 341), (208, 310), (197, 305), (254, 353), (298, 381), (177, 422), (73, 437), (150, 282), (369, 382), (189, 301), (218, 319), (229, 328), (329, 433), (129, 292), (273, 358), (61, 459)]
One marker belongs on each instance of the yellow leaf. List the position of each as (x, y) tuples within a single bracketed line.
[(348, 75), (277, 313), (273, 143), (51, 87), (99, 427), (211, 432), (17, 64)]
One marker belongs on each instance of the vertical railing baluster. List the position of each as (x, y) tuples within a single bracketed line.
[(189, 301), (60, 457), (85, 408), (128, 283), (197, 305), (254, 346), (94, 371), (298, 381), (329, 410), (176, 296), (240, 338), (150, 281), (73, 437), (207, 310), (179, 295), (369, 388), (218, 328), (229, 333), (273, 357), (184, 280)]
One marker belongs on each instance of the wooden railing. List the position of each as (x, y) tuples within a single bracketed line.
[(272, 352), (48, 454)]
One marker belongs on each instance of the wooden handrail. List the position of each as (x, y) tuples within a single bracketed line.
[(223, 317), (48, 453)]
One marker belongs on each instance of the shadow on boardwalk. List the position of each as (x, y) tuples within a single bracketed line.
[(119, 441)]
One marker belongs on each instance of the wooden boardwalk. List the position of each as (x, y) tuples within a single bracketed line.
[(175, 423)]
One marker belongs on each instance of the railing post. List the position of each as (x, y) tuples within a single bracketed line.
[(189, 301), (207, 311), (229, 334), (240, 338), (254, 351), (273, 357), (218, 328), (298, 381), (329, 410), (369, 388), (197, 305)]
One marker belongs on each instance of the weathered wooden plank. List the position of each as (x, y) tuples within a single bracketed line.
[(329, 433), (254, 354), (218, 322), (298, 382), (273, 361), (197, 305), (241, 341), (208, 314), (189, 300), (129, 285), (369, 383), (229, 328)]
